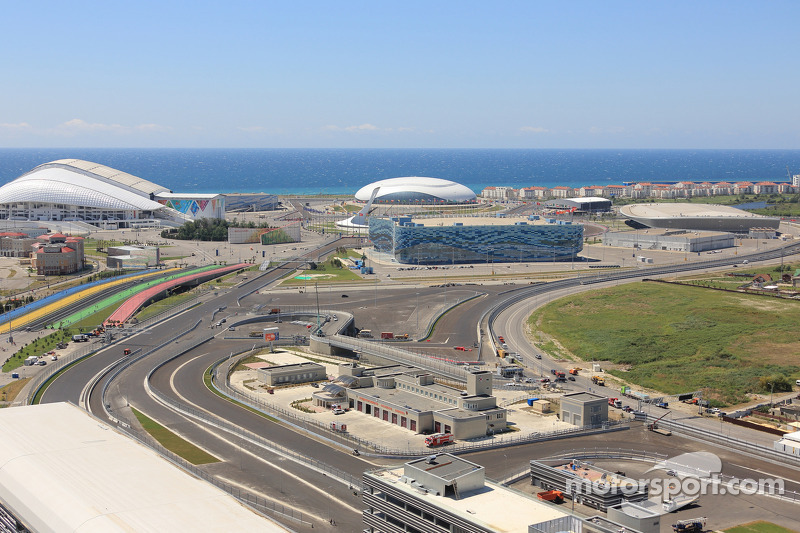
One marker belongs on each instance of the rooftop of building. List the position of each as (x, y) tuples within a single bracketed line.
[(483, 506), (63, 470), (584, 397), (476, 221), (684, 209)]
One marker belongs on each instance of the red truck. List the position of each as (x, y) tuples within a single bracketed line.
[(615, 402), (438, 439), (387, 335)]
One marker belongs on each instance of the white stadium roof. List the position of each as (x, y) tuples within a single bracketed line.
[(447, 190), (63, 470), (76, 182)]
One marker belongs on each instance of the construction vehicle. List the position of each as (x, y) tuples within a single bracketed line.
[(275, 310), (501, 339), (438, 439), (574, 371), (655, 429), (387, 335), (501, 353), (553, 496), (403, 336), (597, 380), (615, 402), (689, 526), (365, 334)]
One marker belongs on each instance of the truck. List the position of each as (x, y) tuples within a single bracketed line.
[(365, 334), (403, 336), (30, 361), (637, 395), (501, 339), (554, 496), (387, 335), (691, 525), (80, 338), (597, 380), (501, 353), (560, 375), (438, 439), (615, 402), (275, 310), (574, 371)]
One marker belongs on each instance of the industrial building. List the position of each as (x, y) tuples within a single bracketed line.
[(291, 374), (447, 493), (587, 484), (475, 240), (700, 217), (133, 257), (584, 409), (670, 240), (410, 398), (589, 204)]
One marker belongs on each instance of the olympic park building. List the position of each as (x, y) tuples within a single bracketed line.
[(475, 239), (417, 190), (81, 191), (699, 217)]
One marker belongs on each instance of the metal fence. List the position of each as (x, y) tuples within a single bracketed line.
[(348, 440)]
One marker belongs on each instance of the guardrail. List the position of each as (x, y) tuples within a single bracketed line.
[(758, 450), (349, 441), (66, 360)]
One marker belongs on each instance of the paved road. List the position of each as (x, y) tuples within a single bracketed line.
[(256, 469)]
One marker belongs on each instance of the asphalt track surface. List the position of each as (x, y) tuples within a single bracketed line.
[(314, 495)]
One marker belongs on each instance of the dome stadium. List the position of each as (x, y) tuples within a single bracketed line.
[(76, 190), (699, 217), (417, 190)]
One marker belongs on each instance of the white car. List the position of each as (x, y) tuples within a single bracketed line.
[(338, 411)]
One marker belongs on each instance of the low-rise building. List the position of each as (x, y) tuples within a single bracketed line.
[(586, 483), (57, 254), (411, 398), (447, 493), (16, 244), (583, 409), (290, 374), (670, 240)]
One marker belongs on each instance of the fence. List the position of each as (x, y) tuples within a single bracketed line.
[(758, 450), (66, 360), (351, 441)]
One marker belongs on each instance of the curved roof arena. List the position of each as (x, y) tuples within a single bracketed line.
[(417, 189), (709, 217), (77, 182)]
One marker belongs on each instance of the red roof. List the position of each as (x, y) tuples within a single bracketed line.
[(66, 249), (12, 234), (58, 236)]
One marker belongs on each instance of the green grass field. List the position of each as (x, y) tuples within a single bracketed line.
[(759, 527), (678, 339), (173, 442)]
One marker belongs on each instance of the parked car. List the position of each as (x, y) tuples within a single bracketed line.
[(338, 411), (571, 378), (42, 362)]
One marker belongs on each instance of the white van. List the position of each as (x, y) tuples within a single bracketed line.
[(797, 382)]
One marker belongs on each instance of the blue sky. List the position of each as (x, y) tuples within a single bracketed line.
[(527, 74)]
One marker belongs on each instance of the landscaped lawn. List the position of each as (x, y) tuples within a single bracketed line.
[(173, 442), (759, 527), (677, 339)]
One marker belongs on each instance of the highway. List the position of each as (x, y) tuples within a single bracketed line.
[(310, 496)]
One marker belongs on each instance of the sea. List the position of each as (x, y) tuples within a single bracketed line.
[(344, 171)]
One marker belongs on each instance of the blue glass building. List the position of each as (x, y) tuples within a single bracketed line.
[(414, 243)]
